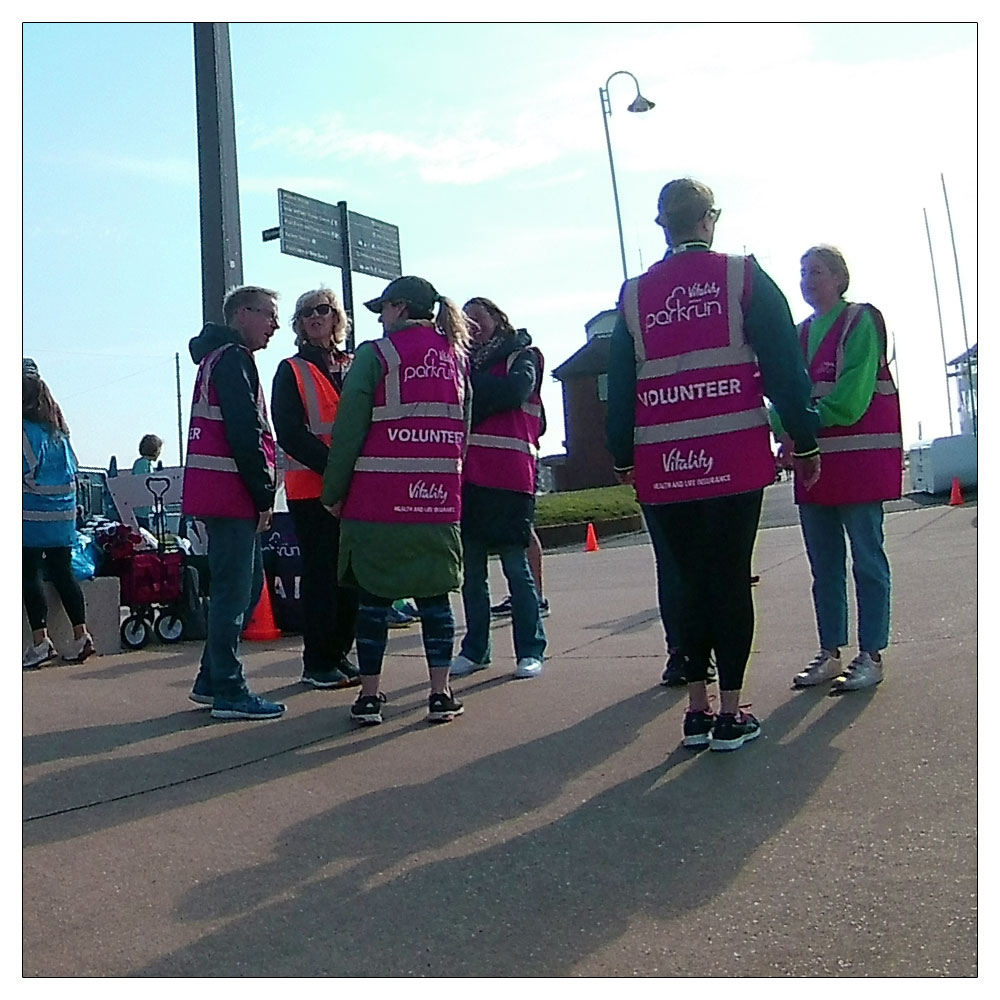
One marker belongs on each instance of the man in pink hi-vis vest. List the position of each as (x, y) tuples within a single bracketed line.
[(229, 484), (701, 338)]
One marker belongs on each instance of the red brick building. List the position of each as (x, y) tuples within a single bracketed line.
[(584, 378)]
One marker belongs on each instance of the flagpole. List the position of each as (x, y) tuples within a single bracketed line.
[(961, 302), (944, 353)]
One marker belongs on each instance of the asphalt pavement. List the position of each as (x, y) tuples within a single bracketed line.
[(557, 829)]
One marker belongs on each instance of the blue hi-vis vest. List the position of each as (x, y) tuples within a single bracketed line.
[(48, 490)]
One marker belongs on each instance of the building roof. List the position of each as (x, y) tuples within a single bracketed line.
[(591, 359), (972, 354)]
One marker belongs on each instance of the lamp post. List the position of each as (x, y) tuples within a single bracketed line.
[(639, 104)]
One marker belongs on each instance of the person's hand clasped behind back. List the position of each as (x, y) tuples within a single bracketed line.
[(807, 470)]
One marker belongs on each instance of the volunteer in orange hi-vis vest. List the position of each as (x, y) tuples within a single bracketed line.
[(304, 400), (701, 338), (861, 442)]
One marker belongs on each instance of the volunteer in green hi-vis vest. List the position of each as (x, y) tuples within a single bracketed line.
[(860, 439)]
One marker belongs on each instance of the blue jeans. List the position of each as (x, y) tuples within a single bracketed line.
[(823, 529), (237, 570), (529, 635), (667, 578)]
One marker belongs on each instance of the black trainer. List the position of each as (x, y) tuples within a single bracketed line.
[(730, 732), (673, 674), (698, 728), (349, 670), (332, 678), (443, 707), (368, 709)]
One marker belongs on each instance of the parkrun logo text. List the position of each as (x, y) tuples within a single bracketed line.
[(674, 461), (423, 491), (436, 364), (687, 393), (697, 301)]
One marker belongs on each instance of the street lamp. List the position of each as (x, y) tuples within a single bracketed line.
[(639, 104)]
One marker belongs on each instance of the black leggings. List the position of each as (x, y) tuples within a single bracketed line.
[(57, 562), (711, 542)]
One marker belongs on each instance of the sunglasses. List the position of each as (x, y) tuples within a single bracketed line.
[(323, 309)]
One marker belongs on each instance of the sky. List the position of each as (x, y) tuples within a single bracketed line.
[(484, 144)]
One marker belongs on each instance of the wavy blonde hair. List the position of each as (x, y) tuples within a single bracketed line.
[(341, 322)]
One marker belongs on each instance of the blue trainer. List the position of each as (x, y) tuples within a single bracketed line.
[(249, 706)]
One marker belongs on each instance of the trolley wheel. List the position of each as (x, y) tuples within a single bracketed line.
[(135, 631), (169, 627)]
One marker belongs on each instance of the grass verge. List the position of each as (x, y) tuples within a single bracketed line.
[(602, 504)]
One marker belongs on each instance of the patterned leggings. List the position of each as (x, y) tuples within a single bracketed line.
[(437, 624)]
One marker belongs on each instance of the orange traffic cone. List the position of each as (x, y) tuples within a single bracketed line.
[(592, 545), (262, 626), (956, 494)]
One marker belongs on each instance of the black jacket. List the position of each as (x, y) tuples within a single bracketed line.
[(289, 413), (496, 393), (236, 381)]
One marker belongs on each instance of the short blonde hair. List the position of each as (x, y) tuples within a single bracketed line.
[(341, 322), (244, 295), (681, 206), (833, 259)]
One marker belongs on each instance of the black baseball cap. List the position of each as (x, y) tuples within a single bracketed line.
[(414, 291)]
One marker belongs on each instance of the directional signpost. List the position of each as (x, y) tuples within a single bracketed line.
[(330, 234)]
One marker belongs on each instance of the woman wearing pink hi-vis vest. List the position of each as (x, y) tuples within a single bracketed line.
[(498, 489), (394, 477), (860, 439), (700, 338)]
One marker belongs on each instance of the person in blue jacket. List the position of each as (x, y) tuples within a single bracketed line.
[(48, 521)]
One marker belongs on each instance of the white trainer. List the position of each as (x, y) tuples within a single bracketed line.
[(862, 672), (530, 666), (80, 649), (35, 656), (462, 666), (824, 666)]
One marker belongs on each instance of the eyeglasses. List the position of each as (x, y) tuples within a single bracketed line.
[(269, 313), (714, 213), (323, 309)]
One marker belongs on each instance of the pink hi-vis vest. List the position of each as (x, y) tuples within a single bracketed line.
[(700, 425), (410, 468), (862, 463), (213, 486), (503, 449)]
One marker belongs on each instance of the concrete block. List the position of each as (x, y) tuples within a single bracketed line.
[(102, 597)]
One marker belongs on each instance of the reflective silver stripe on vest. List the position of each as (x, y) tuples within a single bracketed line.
[(314, 422), (862, 442), (401, 411), (365, 464), (60, 489), (630, 307), (212, 463), (882, 386), (393, 391), (201, 406), (851, 316), (702, 427), (28, 484), (736, 352), (498, 441), (533, 410), (49, 515)]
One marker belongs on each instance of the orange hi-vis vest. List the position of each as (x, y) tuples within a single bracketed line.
[(319, 400)]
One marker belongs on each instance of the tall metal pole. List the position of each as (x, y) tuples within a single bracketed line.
[(180, 418), (346, 264), (221, 248), (944, 353), (961, 302), (605, 114)]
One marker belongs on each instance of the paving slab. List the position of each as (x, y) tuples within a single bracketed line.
[(556, 829)]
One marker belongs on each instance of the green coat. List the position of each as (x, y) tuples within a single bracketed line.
[(388, 560)]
